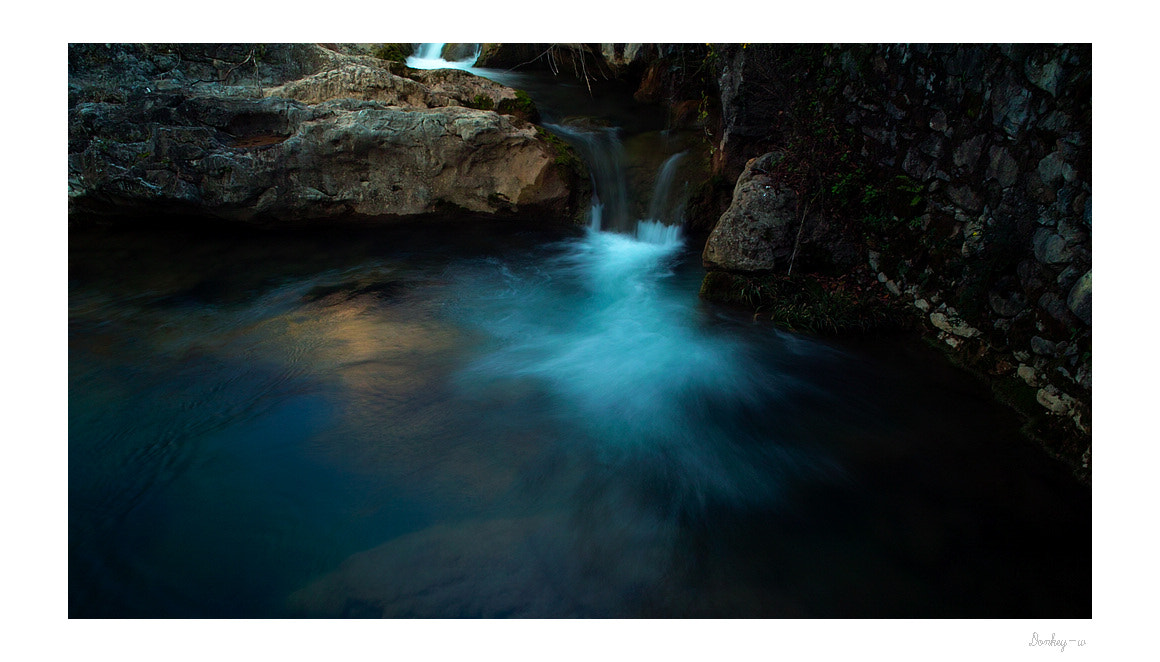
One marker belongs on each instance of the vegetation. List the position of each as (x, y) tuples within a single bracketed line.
[(393, 52), (522, 106), (481, 102), (808, 304)]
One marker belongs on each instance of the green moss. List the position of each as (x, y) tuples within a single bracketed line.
[(565, 155), (393, 52), (807, 304), (481, 102), (522, 106)]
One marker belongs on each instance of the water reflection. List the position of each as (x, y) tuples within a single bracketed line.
[(524, 425)]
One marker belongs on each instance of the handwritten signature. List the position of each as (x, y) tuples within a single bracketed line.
[(1036, 640)]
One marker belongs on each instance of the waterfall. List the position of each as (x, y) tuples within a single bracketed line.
[(429, 51), (663, 207), (603, 152), (430, 56)]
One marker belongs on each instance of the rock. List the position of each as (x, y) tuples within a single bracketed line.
[(1053, 168), (967, 154), (459, 52), (938, 122), (917, 166), (1049, 248), (1055, 401), (424, 89), (1027, 374), (951, 340), (1002, 167), (357, 140), (1007, 306), (1010, 104), (1068, 277), (1057, 309), (759, 230), (951, 323), (1083, 375), (1079, 300), (622, 56), (1042, 346), (922, 304), (1032, 277), (1044, 75), (965, 198)]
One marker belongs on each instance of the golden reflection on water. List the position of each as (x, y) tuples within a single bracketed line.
[(394, 366)]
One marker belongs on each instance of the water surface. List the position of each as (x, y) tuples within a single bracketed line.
[(495, 420)]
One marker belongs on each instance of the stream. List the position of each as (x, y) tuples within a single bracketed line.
[(501, 419)]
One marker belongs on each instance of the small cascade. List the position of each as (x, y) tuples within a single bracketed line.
[(663, 207), (603, 152), (657, 232), (430, 56)]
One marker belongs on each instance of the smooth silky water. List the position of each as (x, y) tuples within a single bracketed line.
[(504, 420)]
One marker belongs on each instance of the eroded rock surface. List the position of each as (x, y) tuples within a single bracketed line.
[(299, 132)]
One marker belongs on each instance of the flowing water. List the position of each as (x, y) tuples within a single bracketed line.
[(501, 419)]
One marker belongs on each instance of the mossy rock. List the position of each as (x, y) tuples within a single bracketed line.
[(522, 107), (481, 102), (807, 304), (393, 52), (566, 155)]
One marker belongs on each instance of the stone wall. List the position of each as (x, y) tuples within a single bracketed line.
[(990, 146)]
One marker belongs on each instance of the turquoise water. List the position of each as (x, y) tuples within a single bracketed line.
[(495, 420)]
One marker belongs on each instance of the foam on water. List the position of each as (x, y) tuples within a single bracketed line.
[(430, 56)]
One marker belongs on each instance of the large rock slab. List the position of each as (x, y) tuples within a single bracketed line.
[(349, 137)]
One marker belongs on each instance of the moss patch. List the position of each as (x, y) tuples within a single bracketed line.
[(481, 102), (522, 106), (808, 304), (393, 52)]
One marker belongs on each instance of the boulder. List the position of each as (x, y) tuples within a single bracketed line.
[(757, 231), (352, 139), (763, 225)]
